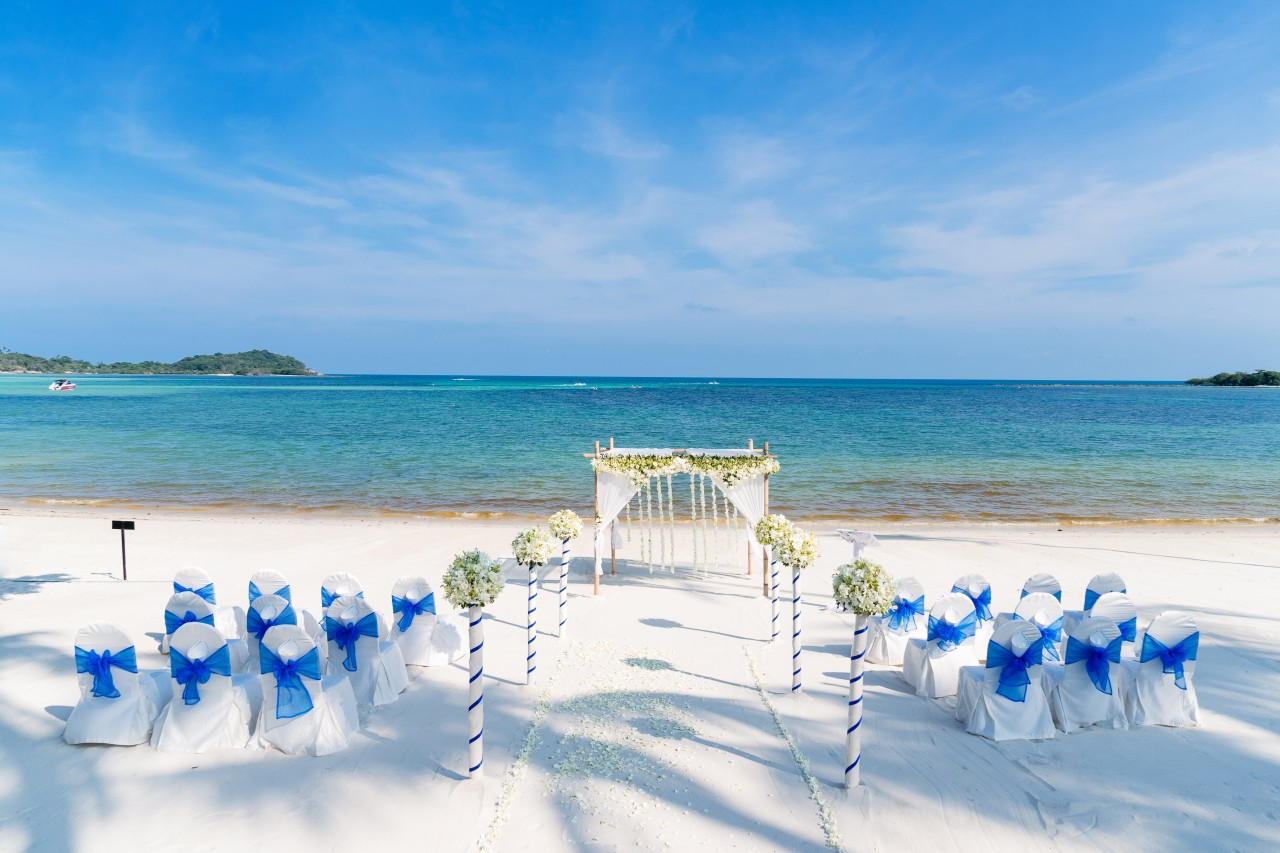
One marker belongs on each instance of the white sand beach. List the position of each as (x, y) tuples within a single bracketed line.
[(648, 728)]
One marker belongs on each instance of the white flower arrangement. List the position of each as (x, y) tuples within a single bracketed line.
[(639, 467), (798, 549), (473, 579), (565, 524), (732, 470), (771, 529), (533, 547), (864, 588)]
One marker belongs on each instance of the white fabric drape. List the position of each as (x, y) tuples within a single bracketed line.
[(613, 493), (748, 496)]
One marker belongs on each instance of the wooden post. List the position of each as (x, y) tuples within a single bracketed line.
[(764, 558), (613, 559), (595, 576)]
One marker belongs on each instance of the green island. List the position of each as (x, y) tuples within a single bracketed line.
[(1258, 377), (257, 362)]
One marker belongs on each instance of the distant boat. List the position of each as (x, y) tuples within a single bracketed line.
[(62, 385), (713, 382)]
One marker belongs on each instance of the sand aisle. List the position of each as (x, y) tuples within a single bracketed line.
[(651, 734)]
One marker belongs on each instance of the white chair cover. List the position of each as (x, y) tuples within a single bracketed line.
[(889, 633), (215, 714), (123, 719), (374, 667), (332, 719), (978, 588), (1043, 582), (1119, 608), (1045, 612), (428, 638), (339, 584), (265, 612), (229, 619), (1014, 708), (1089, 688), (932, 665), (267, 582), (1163, 693), (190, 607), (1098, 585)]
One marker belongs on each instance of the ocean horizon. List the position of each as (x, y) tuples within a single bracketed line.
[(928, 450)]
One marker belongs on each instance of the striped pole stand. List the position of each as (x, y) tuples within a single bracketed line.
[(532, 658), (564, 583), (853, 736), (475, 711), (773, 593), (795, 631)]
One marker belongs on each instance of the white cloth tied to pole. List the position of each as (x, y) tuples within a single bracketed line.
[(860, 539), (748, 496), (613, 493)]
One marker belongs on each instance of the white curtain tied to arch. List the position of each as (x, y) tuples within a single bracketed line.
[(747, 495), (613, 492)]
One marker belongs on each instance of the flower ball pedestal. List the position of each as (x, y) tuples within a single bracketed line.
[(769, 531), (474, 580), (565, 525), (532, 549), (865, 589), (797, 550)]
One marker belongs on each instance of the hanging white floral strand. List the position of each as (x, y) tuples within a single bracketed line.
[(629, 517), (715, 523), (648, 499)]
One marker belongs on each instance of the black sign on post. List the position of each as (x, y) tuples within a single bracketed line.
[(122, 526)]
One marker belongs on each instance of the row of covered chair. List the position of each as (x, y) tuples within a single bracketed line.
[(937, 652), (304, 682)]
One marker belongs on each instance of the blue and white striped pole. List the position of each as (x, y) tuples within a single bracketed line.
[(564, 583), (853, 735), (773, 592), (532, 658), (795, 630), (475, 711)]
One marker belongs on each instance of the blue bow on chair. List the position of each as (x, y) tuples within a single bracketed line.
[(205, 592), (292, 697), (99, 666), (1014, 679), (1128, 629), (327, 598), (950, 636), (346, 636), (981, 602), (1050, 635), (192, 673), (258, 626), (172, 621), (1097, 660), (1091, 598), (427, 604), (255, 593), (1172, 658)]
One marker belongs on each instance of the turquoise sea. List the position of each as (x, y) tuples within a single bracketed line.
[(849, 449)]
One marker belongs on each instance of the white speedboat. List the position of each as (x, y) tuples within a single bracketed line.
[(62, 385)]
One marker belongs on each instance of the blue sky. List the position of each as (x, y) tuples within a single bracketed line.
[(859, 189)]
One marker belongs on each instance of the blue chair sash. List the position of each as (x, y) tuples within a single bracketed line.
[(1050, 635), (1172, 658), (258, 626), (1091, 598), (981, 602), (346, 636), (1013, 679), (192, 673), (292, 697), (948, 636), (1026, 592), (172, 621), (327, 598), (1128, 629), (99, 666), (1097, 660), (427, 604), (255, 593), (205, 592)]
